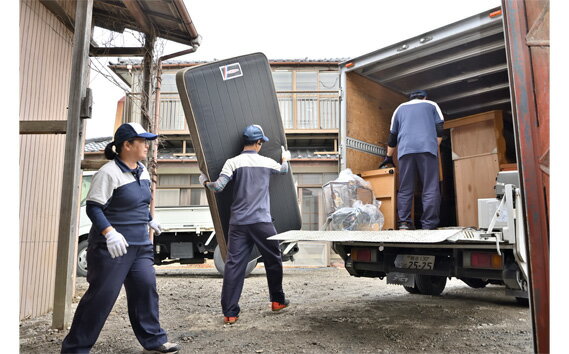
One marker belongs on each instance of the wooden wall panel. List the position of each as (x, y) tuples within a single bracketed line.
[(359, 161), (45, 67), (369, 109)]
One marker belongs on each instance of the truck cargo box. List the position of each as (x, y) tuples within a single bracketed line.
[(463, 67)]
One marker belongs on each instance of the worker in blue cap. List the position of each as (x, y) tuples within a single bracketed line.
[(416, 132), (120, 251), (250, 222)]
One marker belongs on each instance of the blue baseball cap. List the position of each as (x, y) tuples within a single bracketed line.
[(131, 130), (418, 93), (253, 133)]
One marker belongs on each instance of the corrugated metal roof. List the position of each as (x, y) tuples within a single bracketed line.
[(169, 19), (97, 144)]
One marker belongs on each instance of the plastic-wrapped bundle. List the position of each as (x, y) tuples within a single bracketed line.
[(359, 217), (345, 191)]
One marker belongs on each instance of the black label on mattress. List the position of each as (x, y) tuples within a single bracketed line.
[(230, 71)]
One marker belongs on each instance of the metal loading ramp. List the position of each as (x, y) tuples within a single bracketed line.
[(390, 236)]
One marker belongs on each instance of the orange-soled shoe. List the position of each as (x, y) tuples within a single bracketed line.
[(277, 306), (230, 320)]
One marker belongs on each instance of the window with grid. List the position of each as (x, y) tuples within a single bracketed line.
[(303, 102), (311, 199), (283, 82)]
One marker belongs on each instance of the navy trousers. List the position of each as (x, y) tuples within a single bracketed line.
[(239, 245), (106, 276), (426, 167)]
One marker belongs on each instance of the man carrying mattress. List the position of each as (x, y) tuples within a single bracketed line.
[(250, 222)]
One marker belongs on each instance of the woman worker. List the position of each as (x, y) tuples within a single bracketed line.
[(120, 250)]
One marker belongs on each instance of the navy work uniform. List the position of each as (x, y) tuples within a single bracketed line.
[(119, 196), (416, 124), (250, 223)]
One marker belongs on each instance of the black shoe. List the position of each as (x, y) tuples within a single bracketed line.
[(164, 348), (405, 226)]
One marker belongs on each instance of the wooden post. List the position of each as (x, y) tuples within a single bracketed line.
[(147, 124), (69, 210), (153, 150), (146, 79)]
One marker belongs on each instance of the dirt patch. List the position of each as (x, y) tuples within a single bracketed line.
[(330, 312)]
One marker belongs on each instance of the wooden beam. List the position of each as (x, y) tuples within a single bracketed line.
[(162, 16), (56, 9), (43, 127), (116, 51), (71, 183), (92, 165), (139, 16)]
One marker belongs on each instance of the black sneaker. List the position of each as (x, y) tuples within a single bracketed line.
[(164, 348), (405, 226)]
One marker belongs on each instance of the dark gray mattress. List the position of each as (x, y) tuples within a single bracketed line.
[(220, 99)]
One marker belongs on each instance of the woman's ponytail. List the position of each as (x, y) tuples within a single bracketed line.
[(109, 153)]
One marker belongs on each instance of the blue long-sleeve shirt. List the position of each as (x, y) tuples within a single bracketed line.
[(120, 197), (250, 173), (414, 124)]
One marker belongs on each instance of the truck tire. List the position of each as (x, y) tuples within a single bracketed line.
[(82, 258), (430, 284), (220, 264), (411, 289), (475, 283)]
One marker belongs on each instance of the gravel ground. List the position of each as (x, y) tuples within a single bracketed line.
[(330, 312)]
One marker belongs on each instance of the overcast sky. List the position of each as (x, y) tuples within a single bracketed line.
[(293, 30)]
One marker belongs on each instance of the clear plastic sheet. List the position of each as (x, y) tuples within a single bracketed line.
[(351, 205)]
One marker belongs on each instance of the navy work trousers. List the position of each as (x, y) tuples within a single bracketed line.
[(426, 167), (106, 276), (239, 246)]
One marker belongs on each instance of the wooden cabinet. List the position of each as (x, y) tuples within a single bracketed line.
[(478, 150), (384, 186)]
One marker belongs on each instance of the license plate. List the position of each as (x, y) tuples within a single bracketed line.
[(414, 261)]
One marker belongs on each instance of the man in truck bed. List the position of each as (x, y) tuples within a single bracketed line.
[(416, 130)]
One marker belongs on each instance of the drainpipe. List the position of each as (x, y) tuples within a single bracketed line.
[(153, 165)]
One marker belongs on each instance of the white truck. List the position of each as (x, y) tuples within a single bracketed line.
[(187, 237), (463, 67)]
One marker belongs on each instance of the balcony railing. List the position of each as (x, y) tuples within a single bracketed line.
[(309, 109), (306, 110)]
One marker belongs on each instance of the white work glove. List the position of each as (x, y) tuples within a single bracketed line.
[(155, 226), (116, 243), (285, 155), (203, 179)]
